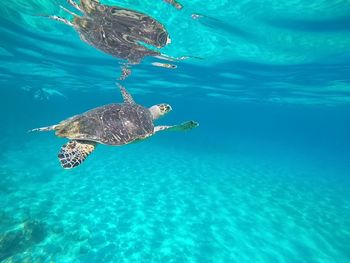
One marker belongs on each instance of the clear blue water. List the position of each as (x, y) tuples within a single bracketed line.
[(264, 178)]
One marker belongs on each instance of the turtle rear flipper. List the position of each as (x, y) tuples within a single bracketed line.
[(61, 19), (48, 128), (75, 152)]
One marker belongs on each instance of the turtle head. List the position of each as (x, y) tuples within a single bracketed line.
[(159, 110)]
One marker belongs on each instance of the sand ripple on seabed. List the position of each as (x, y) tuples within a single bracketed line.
[(146, 203)]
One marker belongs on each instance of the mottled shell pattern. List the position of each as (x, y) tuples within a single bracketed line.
[(113, 124), (120, 31)]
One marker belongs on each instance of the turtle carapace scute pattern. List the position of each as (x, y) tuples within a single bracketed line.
[(113, 124)]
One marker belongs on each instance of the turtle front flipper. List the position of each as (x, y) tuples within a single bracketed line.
[(125, 71), (188, 125), (75, 152)]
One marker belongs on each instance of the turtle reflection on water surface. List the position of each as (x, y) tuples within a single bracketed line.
[(118, 31), (175, 4)]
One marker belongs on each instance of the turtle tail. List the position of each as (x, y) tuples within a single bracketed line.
[(48, 128)]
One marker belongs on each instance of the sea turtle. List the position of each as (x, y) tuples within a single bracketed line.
[(118, 31), (112, 124)]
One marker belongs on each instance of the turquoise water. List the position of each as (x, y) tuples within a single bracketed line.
[(264, 178)]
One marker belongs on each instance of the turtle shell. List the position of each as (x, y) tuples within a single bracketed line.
[(113, 124), (119, 32)]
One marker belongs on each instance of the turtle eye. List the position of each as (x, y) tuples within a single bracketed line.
[(166, 108)]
